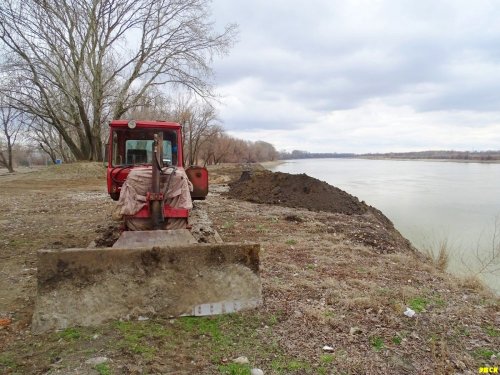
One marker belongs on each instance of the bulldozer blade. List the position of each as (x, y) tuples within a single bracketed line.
[(150, 238), (88, 287)]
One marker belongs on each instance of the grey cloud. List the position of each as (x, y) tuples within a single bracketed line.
[(327, 56)]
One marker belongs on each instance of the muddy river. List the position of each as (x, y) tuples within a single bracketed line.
[(430, 203)]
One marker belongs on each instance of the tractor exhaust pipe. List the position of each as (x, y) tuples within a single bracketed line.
[(156, 200)]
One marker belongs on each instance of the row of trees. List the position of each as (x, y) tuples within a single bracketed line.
[(213, 148), (300, 154), (205, 141), (441, 155), (69, 66)]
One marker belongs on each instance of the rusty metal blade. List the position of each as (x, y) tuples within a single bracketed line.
[(88, 287)]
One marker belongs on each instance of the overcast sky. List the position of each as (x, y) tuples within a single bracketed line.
[(362, 75)]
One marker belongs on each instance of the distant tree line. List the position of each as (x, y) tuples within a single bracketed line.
[(298, 154), (435, 155), (441, 155)]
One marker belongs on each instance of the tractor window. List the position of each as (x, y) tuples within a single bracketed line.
[(134, 147), (141, 152)]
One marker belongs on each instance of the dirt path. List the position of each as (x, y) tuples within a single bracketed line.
[(330, 279)]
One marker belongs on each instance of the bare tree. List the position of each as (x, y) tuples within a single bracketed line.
[(264, 151), (79, 63), (199, 125), (154, 106), (50, 142), (11, 122), (222, 147), (226, 149), (202, 128)]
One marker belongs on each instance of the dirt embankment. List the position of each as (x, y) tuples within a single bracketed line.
[(367, 225), (295, 191)]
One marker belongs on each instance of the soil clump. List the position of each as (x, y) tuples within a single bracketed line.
[(107, 235)]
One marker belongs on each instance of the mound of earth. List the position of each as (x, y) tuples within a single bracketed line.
[(372, 229), (295, 191)]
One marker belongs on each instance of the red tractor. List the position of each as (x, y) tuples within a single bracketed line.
[(133, 144), (156, 267)]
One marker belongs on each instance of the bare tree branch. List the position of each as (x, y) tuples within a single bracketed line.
[(11, 125), (79, 62)]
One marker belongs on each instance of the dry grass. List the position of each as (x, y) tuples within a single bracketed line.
[(439, 254), (471, 282)]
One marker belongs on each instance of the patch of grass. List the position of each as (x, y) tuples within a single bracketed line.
[(7, 361), (463, 331), (492, 331), (205, 325), (284, 366), (70, 334), (103, 369), (298, 365), (471, 282), (261, 228), (418, 304), (326, 358), (228, 224), (328, 314), (483, 353), (397, 340), (273, 320), (439, 302), (144, 329), (235, 369), (233, 335), (223, 334), (17, 243), (291, 242), (383, 291), (362, 270), (134, 343), (377, 343), (136, 336)]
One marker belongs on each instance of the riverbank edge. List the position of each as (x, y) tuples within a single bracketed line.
[(433, 258)]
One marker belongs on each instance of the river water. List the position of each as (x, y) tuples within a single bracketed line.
[(428, 201)]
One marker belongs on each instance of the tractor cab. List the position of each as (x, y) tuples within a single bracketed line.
[(131, 145)]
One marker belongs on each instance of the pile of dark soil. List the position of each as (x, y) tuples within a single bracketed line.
[(295, 191)]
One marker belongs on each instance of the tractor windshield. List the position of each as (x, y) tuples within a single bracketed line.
[(135, 146)]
